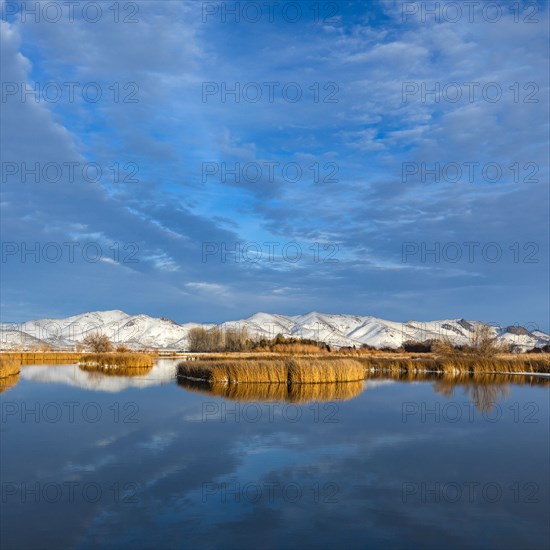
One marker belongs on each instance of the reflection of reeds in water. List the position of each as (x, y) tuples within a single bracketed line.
[(9, 366), (458, 378), (286, 370), (295, 393), (117, 371), (485, 396), (117, 359), (7, 382), (325, 378), (485, 390), (335, 391)]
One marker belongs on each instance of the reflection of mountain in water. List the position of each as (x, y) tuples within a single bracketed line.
[(296, 393), (163, 372)]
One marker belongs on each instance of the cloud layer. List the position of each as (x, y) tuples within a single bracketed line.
[(212, 204)]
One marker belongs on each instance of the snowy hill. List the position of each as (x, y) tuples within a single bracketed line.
[(139, 331)]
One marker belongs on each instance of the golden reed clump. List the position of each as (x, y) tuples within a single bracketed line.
[(44, 358), (288, 370), (9, 371), (9, 365), (116, 360)]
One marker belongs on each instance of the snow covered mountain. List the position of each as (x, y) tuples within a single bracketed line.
[(139, 331)]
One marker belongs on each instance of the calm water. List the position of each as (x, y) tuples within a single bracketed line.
[(95, 461)]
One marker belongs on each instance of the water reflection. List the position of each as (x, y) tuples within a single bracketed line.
[(162, 372), (8, 382), (167, 475), (117, 371), (294, 393), (484, 390), (484, 395)]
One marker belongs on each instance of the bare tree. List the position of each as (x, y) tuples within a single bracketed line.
[(236, 339), (484, 342), (98, 343), (197, 339), (201, 339)]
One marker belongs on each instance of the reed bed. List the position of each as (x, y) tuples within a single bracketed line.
[(9, 366), (7, 382), (295, 393), (237, 371), (116, 360), (308, 371), (460, 364), (46, 357), (289, 370)]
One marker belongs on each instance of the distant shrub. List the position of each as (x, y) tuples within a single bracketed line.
[(238, 340), (215, 339), (483, 343), (291, 345), (542, 349), (445, 347), (418, 347)]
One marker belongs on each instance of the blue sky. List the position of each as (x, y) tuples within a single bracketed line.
[(339, 231)]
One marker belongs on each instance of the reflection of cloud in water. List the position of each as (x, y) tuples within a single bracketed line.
[(89, 467), (105, 442), (159, 442), (163, 372), (368, 454)]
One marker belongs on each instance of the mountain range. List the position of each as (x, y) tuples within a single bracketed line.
[(143, 331)]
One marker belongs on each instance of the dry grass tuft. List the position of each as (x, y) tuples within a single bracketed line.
[(9, 366), (288, 370), (44, 358), (117, 360), (308, 371), (236, 371), (459, 364)]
